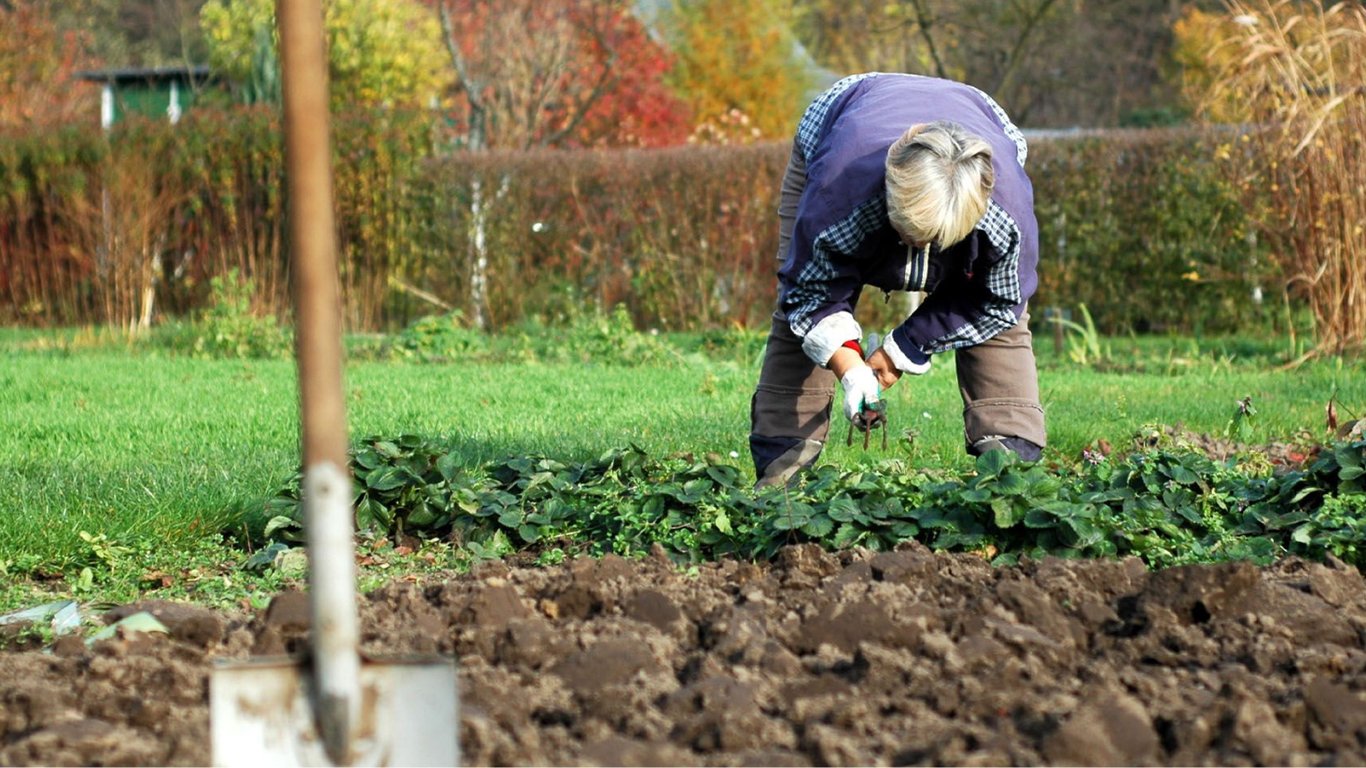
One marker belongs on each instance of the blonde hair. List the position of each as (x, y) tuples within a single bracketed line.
[(939, 178)]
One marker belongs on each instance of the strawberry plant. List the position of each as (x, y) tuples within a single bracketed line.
[(1166, 506)]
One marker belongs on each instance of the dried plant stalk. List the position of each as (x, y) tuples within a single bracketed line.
[(1297, 73), (122, 225)]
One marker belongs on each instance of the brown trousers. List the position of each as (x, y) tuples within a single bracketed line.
[(790, 412)]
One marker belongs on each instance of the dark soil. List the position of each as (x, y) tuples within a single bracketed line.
[(859, 658)]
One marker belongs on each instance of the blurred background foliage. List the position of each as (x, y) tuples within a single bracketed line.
[(1194, 162)]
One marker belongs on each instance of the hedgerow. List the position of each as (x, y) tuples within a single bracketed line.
[(1142, 227)]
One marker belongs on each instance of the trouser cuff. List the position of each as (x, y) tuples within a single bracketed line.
[(1004, 418), (778, 459)]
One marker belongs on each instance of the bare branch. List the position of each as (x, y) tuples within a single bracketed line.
[(925, 23), (473, 91)]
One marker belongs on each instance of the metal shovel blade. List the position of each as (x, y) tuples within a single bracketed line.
[(264, 714)]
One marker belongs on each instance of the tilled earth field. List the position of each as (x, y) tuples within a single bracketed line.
[(857, 658)]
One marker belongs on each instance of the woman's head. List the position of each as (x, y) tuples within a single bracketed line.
[(939, 178)]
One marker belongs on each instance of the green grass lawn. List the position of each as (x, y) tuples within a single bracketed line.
[(161, 451)]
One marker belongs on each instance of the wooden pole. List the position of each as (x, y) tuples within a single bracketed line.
[(312, 231), (326, 488)]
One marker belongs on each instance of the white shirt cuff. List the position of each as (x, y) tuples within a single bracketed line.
[(901, 360), (829, 335)]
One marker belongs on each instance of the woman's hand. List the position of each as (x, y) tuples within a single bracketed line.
[(887, 373), (860, 392)]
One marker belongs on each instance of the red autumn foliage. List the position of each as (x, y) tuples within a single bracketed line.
[(38, 62), (565, 73)]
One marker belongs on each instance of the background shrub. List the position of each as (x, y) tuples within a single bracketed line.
[(1140, 227), (1143, 229)]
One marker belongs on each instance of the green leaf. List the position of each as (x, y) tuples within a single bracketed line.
[(696, 488), (1043, 486), (1011, 483), (653, 508), (386, 479), (1304, 493), (367, 459), (792, 519), (281, 523), (991, 463), (725, 476), (538, 479), (962, 540), (902, 531), (448, 465), (975, 495), (819, 527), (141, 622), (1348, 456), (372, 515), (847, 536), (1086, 533), (842, 509), (264, 558), (1303, 534), (1006, 514), (1189, 514), (1182, 474), (722, 522), (1260, 548)]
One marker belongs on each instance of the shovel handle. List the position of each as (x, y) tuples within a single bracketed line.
[(326, 483)]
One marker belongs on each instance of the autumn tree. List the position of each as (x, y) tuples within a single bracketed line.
[(1102, 63), (568, 73), (380, 52), (1204, 48), (137, 33), (738, 61), (38, 65), (1049, 62), (850, 36)]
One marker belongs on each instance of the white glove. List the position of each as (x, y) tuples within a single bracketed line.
[(860, 390)]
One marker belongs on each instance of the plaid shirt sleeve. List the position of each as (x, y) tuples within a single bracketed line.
[(823, 285)]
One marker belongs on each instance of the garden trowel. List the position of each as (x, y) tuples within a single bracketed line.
[(332, 707)]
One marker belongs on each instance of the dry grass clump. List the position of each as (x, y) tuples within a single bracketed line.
[(123, 225), (1295, 72)]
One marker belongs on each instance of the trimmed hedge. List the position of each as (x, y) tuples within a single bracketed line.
[(684, 238), (1141, 227)]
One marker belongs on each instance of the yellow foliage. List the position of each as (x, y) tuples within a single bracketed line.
[(737, 58), (1204, 46), (387, 52)]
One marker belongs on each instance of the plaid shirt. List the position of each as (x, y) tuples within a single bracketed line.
[(843, 239)]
